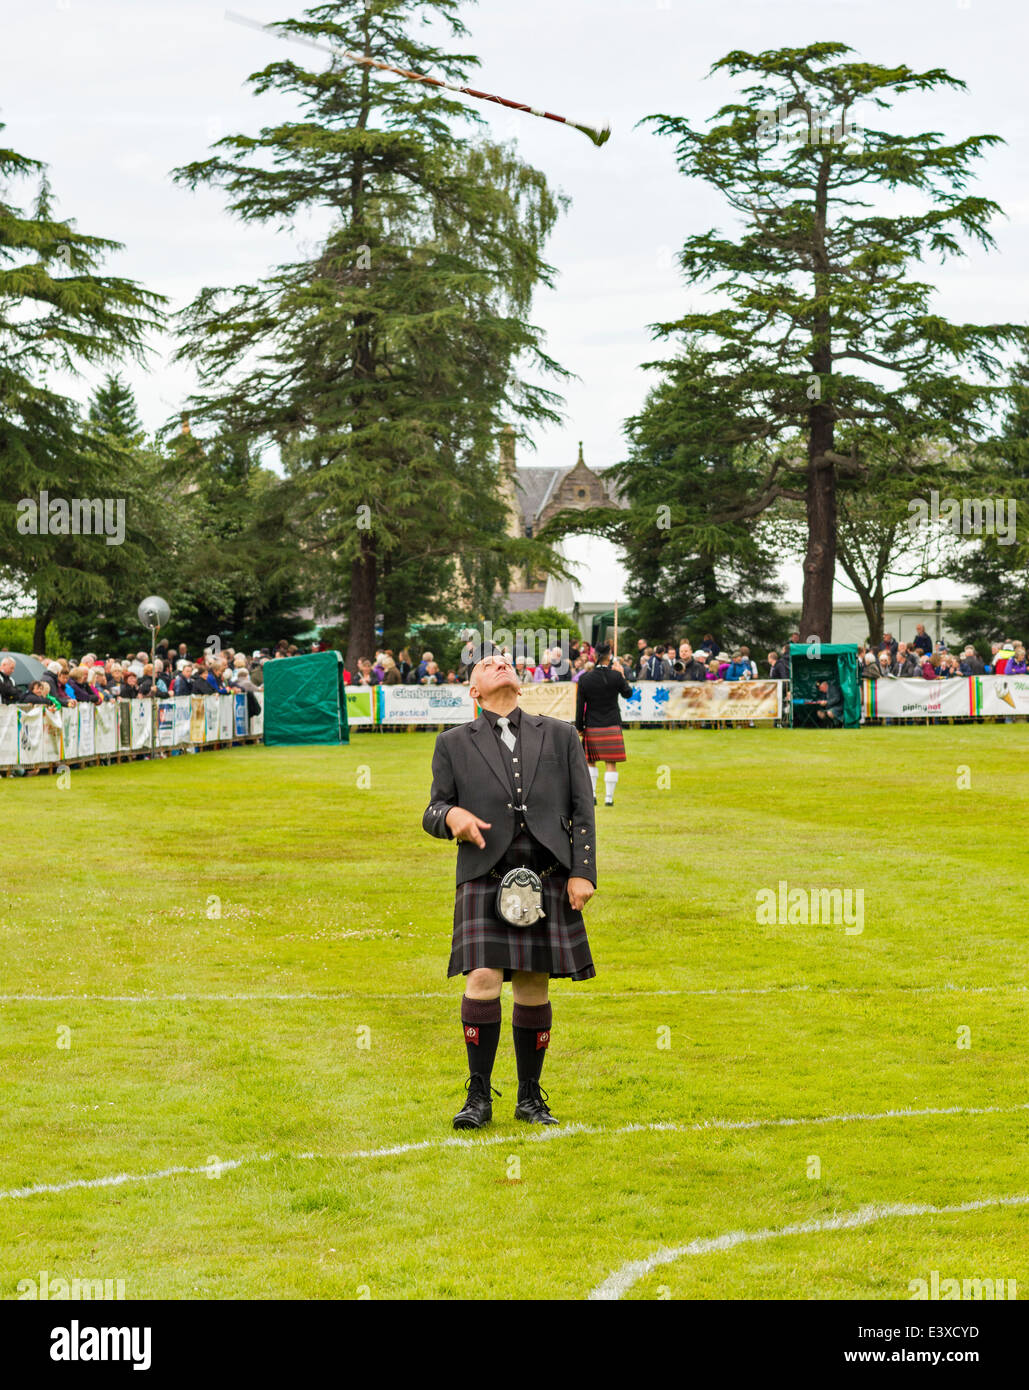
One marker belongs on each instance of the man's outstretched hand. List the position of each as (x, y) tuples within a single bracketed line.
[(580, 890), (464, 825)]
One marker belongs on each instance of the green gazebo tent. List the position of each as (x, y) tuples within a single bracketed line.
[(823, 661), (305, 699)]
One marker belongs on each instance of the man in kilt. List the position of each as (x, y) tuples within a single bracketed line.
[(512, 788), (599, 720)]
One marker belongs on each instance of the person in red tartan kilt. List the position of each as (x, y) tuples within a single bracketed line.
[(599, 720), (513, 790)]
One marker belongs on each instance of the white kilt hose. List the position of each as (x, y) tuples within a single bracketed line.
[(556, 945)]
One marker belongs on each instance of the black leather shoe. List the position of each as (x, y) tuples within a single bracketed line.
[(478, 1107), (532, 1105)]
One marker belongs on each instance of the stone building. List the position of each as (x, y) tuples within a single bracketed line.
[(534, 496)]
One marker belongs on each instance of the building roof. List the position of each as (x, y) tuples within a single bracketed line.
[(533, 487), (537, 487)]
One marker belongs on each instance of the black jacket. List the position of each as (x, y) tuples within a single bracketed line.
[(693, 670), (780, 671), (11, 693), (596, 699), (468, 771)]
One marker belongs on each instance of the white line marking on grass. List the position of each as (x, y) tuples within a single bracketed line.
[(540, 1136), (118, 1179), (328, 997), (616, 1285)]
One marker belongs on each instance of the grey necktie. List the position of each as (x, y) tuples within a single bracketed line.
[(506, 736)]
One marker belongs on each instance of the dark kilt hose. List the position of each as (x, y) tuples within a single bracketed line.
[(604, 745), (556, 945)]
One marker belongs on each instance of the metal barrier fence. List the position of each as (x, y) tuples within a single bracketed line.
[(700, 703), (42, 736)]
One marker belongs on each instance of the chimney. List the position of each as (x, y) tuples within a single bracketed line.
[(507, 449)]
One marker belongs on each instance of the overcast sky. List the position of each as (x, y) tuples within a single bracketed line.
[(112, 96)]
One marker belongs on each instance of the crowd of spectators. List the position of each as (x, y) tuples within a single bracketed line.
[(94, 680), (918, 659), (174, 671), (665, 661), (398, 668)]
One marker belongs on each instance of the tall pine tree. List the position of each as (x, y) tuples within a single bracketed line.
[(57, 313), (384, 366), (825, 329), (997, 568)]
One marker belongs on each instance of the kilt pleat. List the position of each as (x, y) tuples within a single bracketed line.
[(604, 745), (557, 945)]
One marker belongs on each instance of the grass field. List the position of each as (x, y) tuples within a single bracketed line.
[(239, 958)]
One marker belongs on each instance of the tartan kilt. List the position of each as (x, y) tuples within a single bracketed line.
[(604, 745), (556, 945)]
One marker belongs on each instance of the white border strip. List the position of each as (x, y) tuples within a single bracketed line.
[(542, 1135), (331, 996), (616, 1285)]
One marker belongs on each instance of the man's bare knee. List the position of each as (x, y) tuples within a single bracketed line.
[(484, 983), (530, 987)]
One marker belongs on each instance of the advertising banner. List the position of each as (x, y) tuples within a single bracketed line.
[(197, 719), (87, 731), (911, 698), (1003, 694), (124, 725), (226, 717), (165, 723), (8, 735), (53, 733), (30, 736), (653, 701), (183, 715), (553, 698), (211, 717), (106, 727), (426, 704), (239, 713), (70, 731), (361, 704), (142, 722)]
